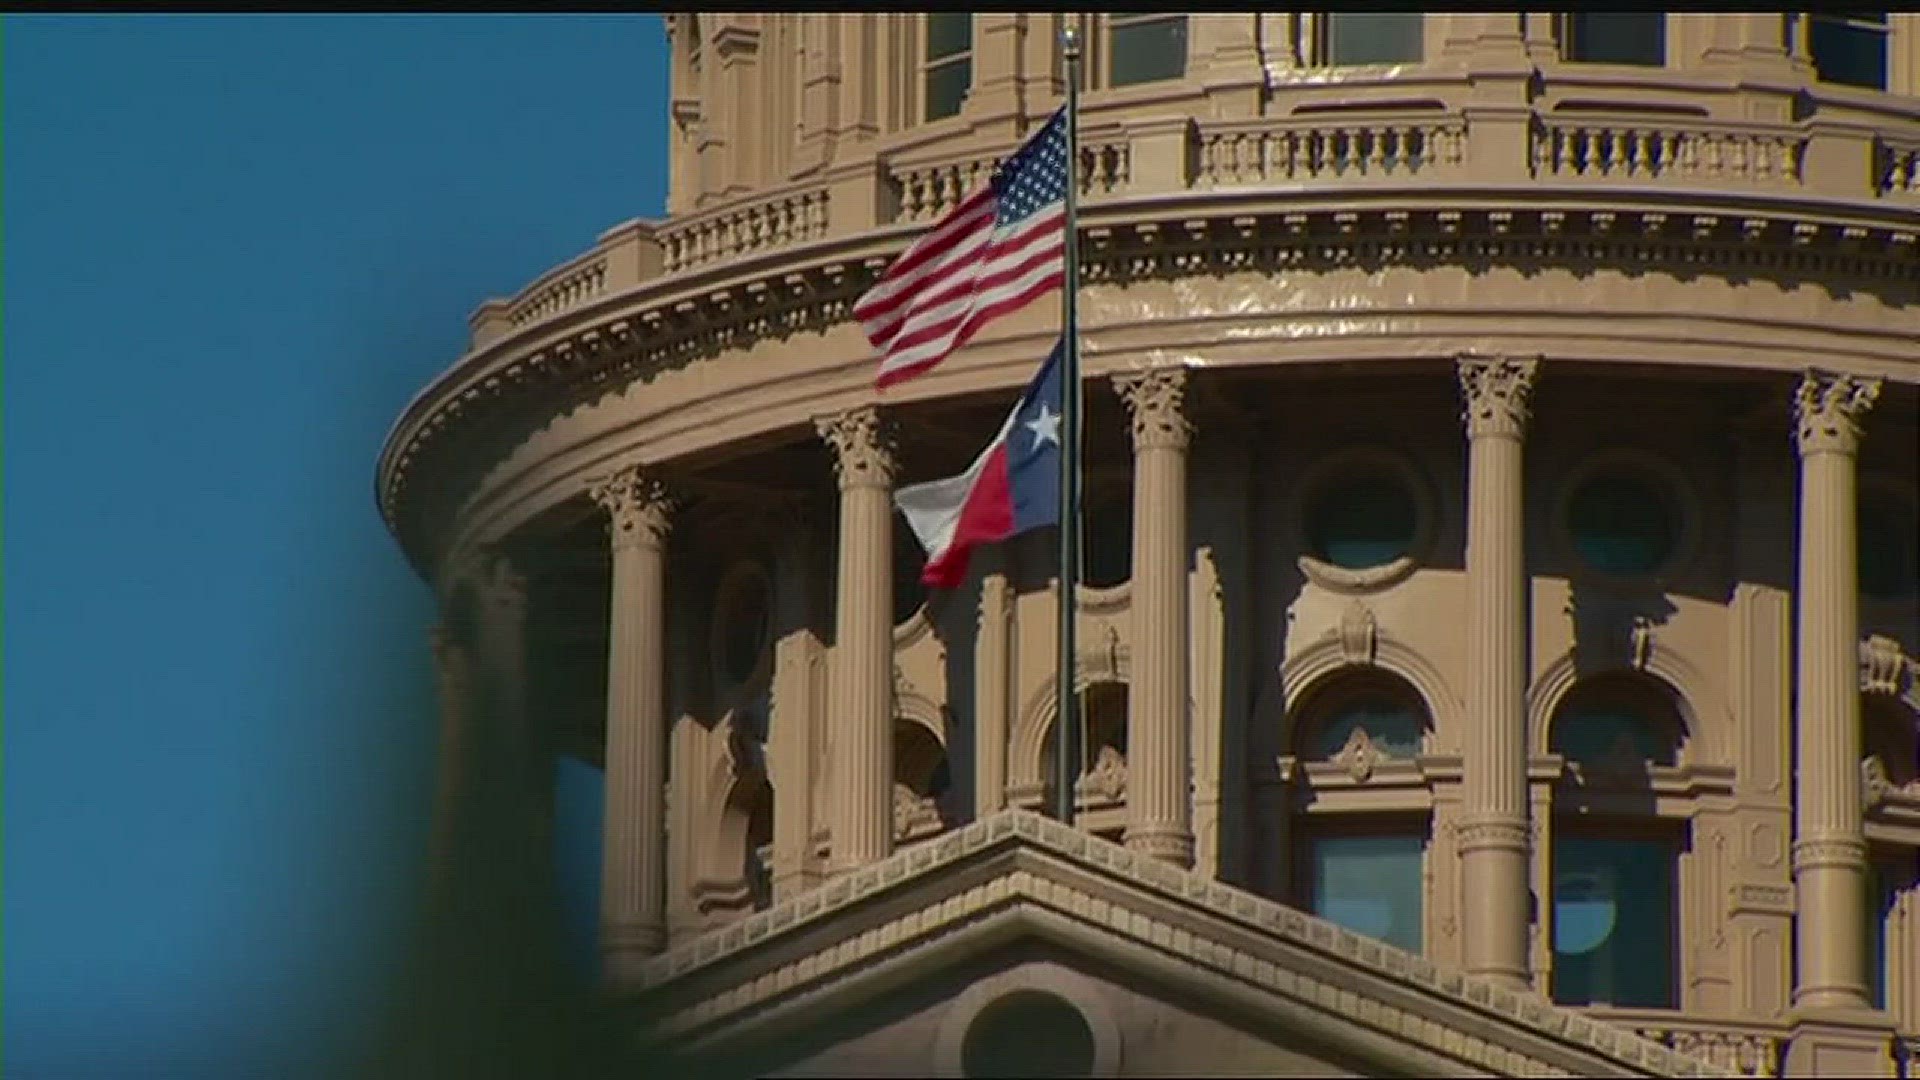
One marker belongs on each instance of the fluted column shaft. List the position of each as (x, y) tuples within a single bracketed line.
[(860, 686), (1494, 841), (1829, 848), (1159, 766), (633, 836)]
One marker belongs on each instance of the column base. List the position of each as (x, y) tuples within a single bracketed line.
[(632, 935), (1168, 845), (1839, 1042)]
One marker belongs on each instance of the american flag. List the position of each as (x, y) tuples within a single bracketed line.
[(998, 251)]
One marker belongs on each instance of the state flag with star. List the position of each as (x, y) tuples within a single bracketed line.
[(1011, 488)]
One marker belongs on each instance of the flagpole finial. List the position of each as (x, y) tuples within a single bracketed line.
[(1070, 43)]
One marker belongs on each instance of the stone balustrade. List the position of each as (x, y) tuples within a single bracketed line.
[(1740, 1048)]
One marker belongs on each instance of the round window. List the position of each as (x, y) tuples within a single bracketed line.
[(1028, 1033), (1362, 517), (1621, 522), (1889, 564)]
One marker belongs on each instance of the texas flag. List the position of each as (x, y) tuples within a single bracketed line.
[(1013, 486)]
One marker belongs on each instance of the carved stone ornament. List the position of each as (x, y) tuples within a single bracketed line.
[(1884, 668), (1359, 755), (1359, 634), (1107, 779), (1498, 395), (1156, 398), (1875, 784), (911, 812), (1640, 642), (639, 507), (862, 447), (1827, 409)]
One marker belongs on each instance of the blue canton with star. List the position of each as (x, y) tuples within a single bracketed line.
[(1033, 448), (1035, 177)]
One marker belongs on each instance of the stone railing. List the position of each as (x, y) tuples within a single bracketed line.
[(1344, 150), (1639, 151), (1897, 170), (1125, 156), (562, 289), (1744, 1049), (769, 221)]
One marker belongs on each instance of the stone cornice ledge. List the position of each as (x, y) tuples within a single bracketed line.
[(810, 286), (1056, 874)]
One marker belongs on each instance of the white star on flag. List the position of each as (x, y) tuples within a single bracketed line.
[(1045, 427)]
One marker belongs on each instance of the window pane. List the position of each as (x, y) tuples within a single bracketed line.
[(1618, 38), (1362, 518), (1373, 38), (1621, 524), (1371, 885), (1850, 54), (1393, 727), (1597, 733), (946, 87), (948, 33), (1148, 51), (1613, 922)]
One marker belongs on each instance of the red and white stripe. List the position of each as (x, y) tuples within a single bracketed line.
[(957, 278)]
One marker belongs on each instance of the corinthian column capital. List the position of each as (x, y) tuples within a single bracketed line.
[(639, 506), (1498, 394), (1156, 398), (862, 447), (1827, 409)]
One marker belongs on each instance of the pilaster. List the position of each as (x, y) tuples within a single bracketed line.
[(793, 729), (860, 694), (993, 695), (633, 859), (1493, 832), (1159, 715)]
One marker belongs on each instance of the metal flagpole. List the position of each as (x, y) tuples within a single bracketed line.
[(1066, 727)]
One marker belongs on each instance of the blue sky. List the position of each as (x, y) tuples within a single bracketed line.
[(233, 248)]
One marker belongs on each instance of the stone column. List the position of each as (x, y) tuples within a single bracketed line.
[(1159, 739), (1493, 833), (860, 684), (501, 735), (633, 851), (1829, 847), (453, 675)]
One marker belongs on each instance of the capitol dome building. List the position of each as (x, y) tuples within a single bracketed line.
[(1497, 632)]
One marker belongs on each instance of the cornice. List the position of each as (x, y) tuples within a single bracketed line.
[(500, 394), (1055, 873)]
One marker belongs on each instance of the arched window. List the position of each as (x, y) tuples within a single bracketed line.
[(920, 777), (1364, 866), (1101, 792), (946, 72), (1614, 880), (1028, 1033), (1615, 37)]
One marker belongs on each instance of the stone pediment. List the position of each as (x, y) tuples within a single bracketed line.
[(1017, 877)]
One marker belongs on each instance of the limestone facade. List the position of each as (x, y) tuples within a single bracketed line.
[(1502, 484)]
